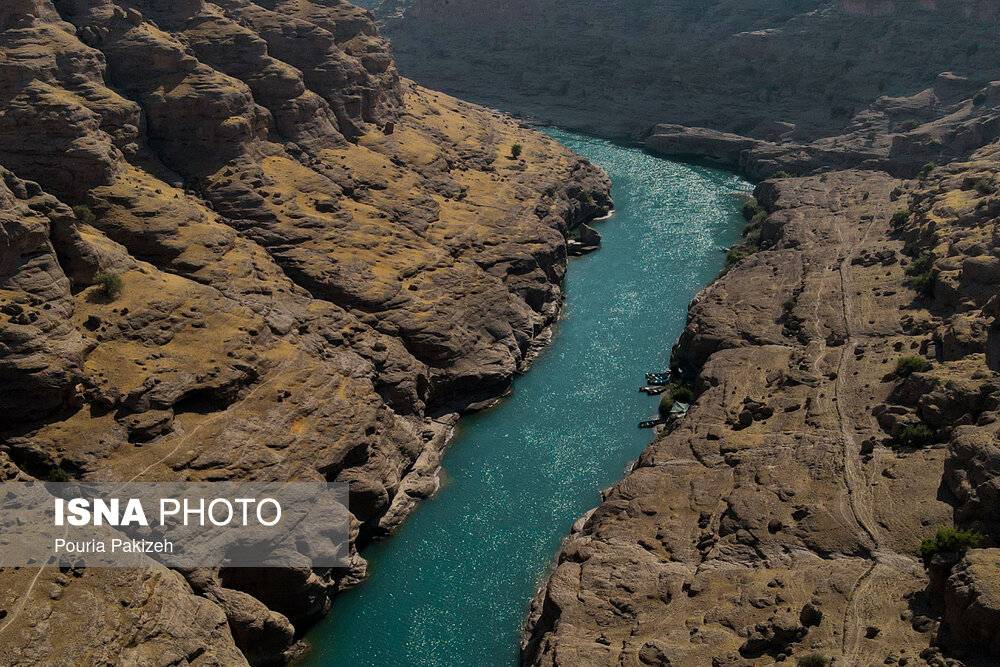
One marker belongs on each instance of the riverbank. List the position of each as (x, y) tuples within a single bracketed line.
[(782, 516), (455, 580)]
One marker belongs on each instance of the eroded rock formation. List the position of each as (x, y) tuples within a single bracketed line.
[(761, 69), (320, 265), (782, 515)]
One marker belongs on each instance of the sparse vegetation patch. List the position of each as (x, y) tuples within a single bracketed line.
[(949, 540), (84, 214), (917, 435), (110, 285), (899, 218), (909, 364), (813, 660)]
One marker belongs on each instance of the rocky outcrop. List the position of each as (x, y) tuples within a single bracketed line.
[(760, 69), (318, 266), (899, 135), (972, 602)]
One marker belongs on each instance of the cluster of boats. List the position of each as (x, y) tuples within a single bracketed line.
[(656, 384)]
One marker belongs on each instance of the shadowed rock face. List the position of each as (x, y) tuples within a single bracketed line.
[(618, 68), (322, 263)]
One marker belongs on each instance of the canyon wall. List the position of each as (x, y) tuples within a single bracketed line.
[(757, 68), (845, 368), (320, 264)]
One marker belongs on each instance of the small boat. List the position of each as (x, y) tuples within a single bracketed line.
[(658, 378), (654, 390), (650, 423)]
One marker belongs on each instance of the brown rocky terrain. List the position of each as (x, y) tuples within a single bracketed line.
[(783, 514), (320, 264), (760, 69)]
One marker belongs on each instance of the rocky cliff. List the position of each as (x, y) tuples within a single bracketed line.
[(757, 68), (237, 245), (847, 398)]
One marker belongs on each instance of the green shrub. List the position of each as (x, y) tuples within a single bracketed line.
[(57, 474), (84, 214), (921, 264), (910, 364), (917, 435), (737, 254), (750, 209), (900, 218), (681, 394), (813, 660), (756, 222), (948, 540), (587, 197), (781, 174), (979, 98), (750, 243), (923, 283), (908, 124), (516, 150), (666, 403), (927, 169), (110, 285)]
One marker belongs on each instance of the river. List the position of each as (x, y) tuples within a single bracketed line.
[(452, 587)]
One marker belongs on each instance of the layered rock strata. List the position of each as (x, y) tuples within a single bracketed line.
[(761, 69), (320, 264)]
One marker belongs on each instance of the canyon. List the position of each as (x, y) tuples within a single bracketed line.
[(844, 365), (239, 245)]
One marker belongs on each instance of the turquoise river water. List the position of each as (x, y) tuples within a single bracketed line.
[(452, 587)]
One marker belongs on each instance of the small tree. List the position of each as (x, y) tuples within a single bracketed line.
[(781, 174), (110, 285), (948, 540), (909, 364), (84, 214), (516, 150), (921, 264)]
